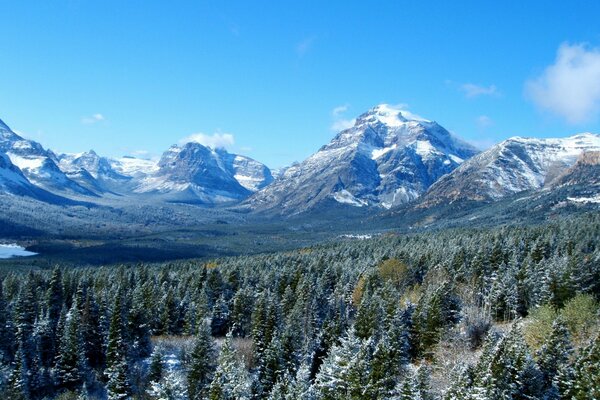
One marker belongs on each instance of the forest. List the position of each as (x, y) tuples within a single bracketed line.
[(507, 312)]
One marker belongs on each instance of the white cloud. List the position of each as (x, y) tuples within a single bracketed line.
[(471, 90), (339, 110), (570, 87), (340, 123), (92, 119), (483, 121), (216, 140)]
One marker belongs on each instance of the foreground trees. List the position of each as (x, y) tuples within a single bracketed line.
[(395, 317)]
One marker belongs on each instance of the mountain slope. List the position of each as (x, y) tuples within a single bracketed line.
[(198, 174), (515, 165), (388, 157), (93, 172), (38, 165), (586, 171)]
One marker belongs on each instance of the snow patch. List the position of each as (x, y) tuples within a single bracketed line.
[(376, 153), (595, 199), (345, 197)]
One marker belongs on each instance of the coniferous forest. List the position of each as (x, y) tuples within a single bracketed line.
[(494, 313)]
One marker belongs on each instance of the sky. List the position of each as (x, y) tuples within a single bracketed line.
[(274, 80)]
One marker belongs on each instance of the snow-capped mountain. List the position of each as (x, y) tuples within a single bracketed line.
[(37, 164), (389, 157), (12, 179), (196, 173), (510, 167), (586, 171), (189, 173), (92, 171)]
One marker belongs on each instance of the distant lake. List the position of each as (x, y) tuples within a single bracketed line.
[(14, 250)]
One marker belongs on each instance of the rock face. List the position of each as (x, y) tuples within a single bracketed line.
[(387, 158), (196, 173), (510, 167), (38, 165), (189, 173), (93, 172), (586, 171), (12, 179)]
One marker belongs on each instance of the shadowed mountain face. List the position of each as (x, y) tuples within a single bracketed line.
[(586, 171), (513, 166), (190, 173), (194, 171), (389, 157)]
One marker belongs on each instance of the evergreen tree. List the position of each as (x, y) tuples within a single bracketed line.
[(555, 352), (7, 335), (170, 387), (202, 364), (118, 386), (156, 368), (230, 381), (344, 373), (584, 380), (116, 346), (220, 317), (70, 362)]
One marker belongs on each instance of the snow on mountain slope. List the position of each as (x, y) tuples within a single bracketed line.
[(513, 166), (196, 173), (389, 157), (12, 179), (37, 164), (134, 167)]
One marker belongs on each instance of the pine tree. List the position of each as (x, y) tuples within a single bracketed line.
[(220, 317), (231, 381), (584, 382), (118, 386), (69, 363), (116, 346), (156, 368), (170, 387), (7, 334), (555, 352), (408, 390), (54, 298), (91, 332), (202, 364), (338, 375), (18, 385), (138, 328)]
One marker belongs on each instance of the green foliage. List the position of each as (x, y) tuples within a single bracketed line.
[(342, 320)]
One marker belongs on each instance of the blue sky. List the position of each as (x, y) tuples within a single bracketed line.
[(266, 76)]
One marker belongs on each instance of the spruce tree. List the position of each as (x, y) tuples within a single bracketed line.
[(116, 346), (70, 363), (202, 363), (7, 334), (118, 386), (555, 352), (230, 381), (156, 368)]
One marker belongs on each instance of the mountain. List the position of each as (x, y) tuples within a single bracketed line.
[(586, 171), (12, 179), (93, 172), (389, 157), (38, 165), (198, 174), (515, 165)]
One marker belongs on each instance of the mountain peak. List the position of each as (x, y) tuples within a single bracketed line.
[(390, 115)]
